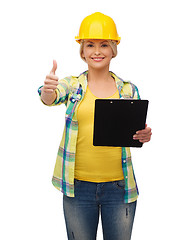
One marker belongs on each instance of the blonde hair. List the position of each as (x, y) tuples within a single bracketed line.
[(112, 44)]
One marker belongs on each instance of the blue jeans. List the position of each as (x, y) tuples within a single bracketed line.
[(82, 211)]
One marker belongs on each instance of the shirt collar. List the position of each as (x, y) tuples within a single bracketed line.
[(82, 78)]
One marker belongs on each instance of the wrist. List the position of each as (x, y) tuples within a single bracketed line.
[(48, 98)]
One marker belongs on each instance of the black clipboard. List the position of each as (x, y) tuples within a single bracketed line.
[(117, 120)]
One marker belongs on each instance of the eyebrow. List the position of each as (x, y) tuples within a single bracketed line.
[(100, 42)]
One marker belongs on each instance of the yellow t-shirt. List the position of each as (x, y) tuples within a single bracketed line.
[(94, 163)]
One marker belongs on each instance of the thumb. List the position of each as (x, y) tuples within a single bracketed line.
[(54, 67)]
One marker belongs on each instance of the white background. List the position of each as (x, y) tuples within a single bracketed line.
[(151, 55)]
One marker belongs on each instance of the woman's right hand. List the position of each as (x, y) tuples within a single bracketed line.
[(48, 94), (51, 81)]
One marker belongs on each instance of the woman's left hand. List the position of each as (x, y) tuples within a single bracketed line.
[(143, 135)]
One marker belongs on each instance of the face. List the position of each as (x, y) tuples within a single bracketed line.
[(97, 53)]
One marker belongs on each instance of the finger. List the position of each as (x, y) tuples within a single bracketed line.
[(53, 70), (135, 137), (143, 140), (52, 77), (48, 90), (50, 82), (142, 136), (138, 137), (144, 131), (50, 87)]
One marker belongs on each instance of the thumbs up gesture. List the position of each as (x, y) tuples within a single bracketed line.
[(51, 81)]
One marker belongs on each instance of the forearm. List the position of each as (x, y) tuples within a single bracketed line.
[(48, 98)]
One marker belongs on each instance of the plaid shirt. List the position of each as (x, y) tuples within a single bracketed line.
[(71, 91)]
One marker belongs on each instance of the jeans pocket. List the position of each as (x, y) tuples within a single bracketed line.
[(120, 184), (77, 182)]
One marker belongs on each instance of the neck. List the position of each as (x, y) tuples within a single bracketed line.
[(98, 75)]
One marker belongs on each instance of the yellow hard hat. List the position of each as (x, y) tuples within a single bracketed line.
[(98, 26)]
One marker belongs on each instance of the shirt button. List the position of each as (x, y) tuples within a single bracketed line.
[(126, 177), (124, 161)]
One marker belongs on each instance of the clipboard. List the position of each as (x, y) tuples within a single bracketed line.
[(117, 120)]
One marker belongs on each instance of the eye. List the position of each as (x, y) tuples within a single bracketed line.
[(89, 45), (104, 45)]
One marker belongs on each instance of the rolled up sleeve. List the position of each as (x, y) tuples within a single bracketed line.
[(62, 92), (135, 92)]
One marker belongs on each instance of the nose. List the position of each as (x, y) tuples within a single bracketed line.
[(97, 50)]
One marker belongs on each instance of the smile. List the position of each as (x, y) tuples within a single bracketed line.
[(98, 59)]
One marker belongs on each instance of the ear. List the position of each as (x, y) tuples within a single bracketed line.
[(83, 56)]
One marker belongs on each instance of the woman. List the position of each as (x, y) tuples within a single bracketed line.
[(94, 180)]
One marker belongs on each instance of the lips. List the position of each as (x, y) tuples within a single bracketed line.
[(98, 59)]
